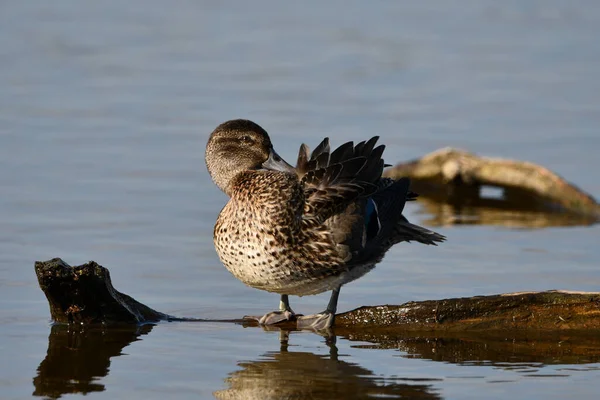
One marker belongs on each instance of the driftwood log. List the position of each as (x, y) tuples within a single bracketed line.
[(451, 175), (85, 295)]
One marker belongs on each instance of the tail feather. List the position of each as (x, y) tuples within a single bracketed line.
[(406, 232)]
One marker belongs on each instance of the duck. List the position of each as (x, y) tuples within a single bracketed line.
[(308, 229)]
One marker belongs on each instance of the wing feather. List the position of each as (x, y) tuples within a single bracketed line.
[(333, 180)]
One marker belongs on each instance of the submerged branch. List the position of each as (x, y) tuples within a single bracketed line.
[(84, 295)]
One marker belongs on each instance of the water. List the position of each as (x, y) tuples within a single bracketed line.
[(106, 107)]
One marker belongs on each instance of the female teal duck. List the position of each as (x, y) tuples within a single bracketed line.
[(304, 230)]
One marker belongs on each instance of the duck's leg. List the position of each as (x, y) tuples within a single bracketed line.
[(322, 320), (285, 313)]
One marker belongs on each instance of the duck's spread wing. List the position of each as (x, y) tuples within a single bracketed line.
[(333, 180)]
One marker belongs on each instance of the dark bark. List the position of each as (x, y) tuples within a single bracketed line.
[(85, 295), (550, 310)]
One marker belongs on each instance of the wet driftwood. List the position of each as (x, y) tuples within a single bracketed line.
[(84, 294), (550, 310), (452, 173)]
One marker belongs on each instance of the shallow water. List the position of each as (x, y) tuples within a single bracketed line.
[(104, 113)]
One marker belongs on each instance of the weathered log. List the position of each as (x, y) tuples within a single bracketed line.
[(455, 173), (84, 295), (550, 310)]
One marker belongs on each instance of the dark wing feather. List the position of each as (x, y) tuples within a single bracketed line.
[(344, 152), (333, 180), (320, 156), (322, 148), (369, 145), (345, 190)]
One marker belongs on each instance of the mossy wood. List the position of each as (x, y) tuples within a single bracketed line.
[(84, 294)]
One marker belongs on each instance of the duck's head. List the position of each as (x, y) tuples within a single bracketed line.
[(240, 145)]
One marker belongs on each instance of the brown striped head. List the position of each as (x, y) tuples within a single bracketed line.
[(240, 145)]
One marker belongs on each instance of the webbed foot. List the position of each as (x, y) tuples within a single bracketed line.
[(274, 317), (317, 322)]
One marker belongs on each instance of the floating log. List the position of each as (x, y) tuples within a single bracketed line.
[(84, 295), (453, 173)]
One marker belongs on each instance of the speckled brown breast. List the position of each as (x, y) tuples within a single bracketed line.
[(260, 239)]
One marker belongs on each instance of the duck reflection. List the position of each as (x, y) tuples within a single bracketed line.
[(287, 374), (78, 357)]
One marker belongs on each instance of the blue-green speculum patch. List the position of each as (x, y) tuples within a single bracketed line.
[(372, 223)]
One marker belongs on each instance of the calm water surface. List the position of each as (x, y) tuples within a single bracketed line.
[(106, 107)]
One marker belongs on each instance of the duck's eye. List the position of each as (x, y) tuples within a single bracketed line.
[(246, 139)]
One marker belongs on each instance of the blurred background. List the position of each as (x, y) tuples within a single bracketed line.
[(105, 109)]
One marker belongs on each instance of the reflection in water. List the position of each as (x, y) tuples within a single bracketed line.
[(491, 348), (290, 375), (302, 375), (511, 209), (77, 360), (78, 357)]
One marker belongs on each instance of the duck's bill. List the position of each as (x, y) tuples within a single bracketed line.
[(276, 163)]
